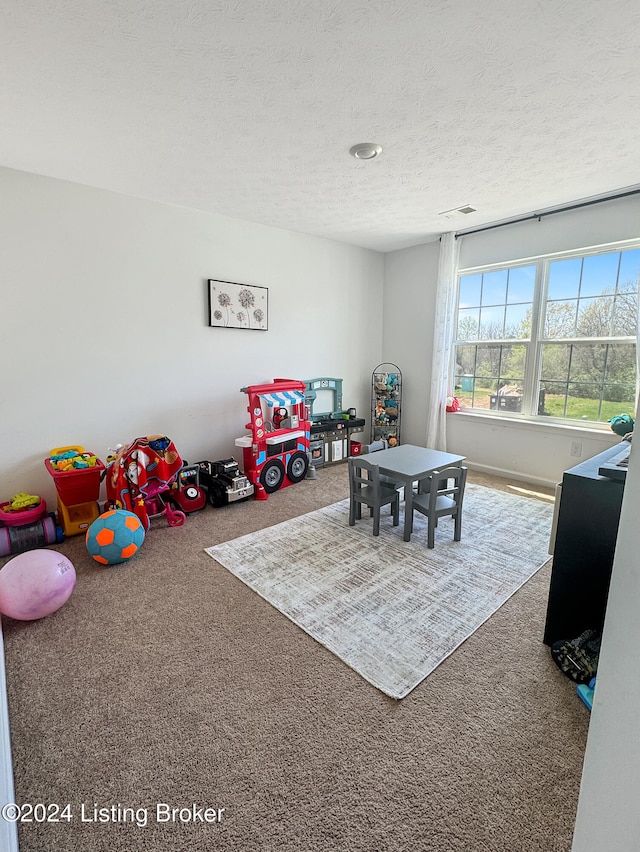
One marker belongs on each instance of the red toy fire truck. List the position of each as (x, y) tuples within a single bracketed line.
[(276, 452)]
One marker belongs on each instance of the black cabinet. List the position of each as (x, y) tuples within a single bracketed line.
[(332, 440), (587, 529)]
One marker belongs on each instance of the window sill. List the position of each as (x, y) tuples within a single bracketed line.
[(595, 429)]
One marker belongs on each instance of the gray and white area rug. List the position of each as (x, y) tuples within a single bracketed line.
[(394, 610)]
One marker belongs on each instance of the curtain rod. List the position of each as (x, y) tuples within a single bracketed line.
[(539, 216)]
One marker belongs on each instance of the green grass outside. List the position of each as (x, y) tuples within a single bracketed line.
[(585, 409), (578, 408)]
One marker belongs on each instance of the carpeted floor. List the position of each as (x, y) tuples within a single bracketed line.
[(154, 684), (393, 610)]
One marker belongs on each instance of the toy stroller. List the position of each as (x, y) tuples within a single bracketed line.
[(147, 477)]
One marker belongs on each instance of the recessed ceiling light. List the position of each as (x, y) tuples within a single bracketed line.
[(365, 151)]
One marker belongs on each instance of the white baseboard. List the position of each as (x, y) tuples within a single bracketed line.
[(8, 830), (511, 474)]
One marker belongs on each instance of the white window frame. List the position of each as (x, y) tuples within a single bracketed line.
[(534, 344)]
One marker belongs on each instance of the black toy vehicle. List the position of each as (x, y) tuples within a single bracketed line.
[(224, 482)]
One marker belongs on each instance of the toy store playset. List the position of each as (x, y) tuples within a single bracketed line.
[(276, 450)]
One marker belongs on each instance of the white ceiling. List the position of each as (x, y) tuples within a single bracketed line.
[(249, 107)]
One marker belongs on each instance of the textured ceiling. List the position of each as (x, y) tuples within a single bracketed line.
[(249, 107)]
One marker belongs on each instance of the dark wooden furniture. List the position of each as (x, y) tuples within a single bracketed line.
[(587, 529)]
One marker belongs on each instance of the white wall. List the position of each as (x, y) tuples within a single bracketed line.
[(608, 814), (104, 336), (604, 222), (529, 451), (534, 452), (103, 323), (409, 301)]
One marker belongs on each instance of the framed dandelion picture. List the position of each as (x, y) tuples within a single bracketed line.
[(238, 305)]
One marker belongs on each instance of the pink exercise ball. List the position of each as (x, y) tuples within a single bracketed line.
[(35, 584)]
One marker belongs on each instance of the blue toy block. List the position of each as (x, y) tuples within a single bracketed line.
[(585, 692)]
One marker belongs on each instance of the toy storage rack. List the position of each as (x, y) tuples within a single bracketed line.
[(383, 426)]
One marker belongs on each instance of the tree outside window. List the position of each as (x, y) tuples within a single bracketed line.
[(550, 338)]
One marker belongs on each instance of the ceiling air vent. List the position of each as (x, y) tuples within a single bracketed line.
[(458, 211)]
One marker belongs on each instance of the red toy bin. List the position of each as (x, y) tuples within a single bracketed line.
[(81, 485), (356, 448)]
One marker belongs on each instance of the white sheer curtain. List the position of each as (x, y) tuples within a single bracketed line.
[(636, 413), (443, 336)]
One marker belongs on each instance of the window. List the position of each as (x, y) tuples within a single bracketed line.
[(552, 337)]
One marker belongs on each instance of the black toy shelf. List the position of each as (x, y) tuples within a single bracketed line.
[(386, 399)]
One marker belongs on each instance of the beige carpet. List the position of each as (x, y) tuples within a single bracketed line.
[(394, 610), (165, 680)]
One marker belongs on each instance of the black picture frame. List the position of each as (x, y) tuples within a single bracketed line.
[(233, 305)]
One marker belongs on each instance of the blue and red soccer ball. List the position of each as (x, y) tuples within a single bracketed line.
[(115, 536)]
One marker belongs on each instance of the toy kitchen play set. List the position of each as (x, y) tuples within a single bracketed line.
[(331, 428)]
